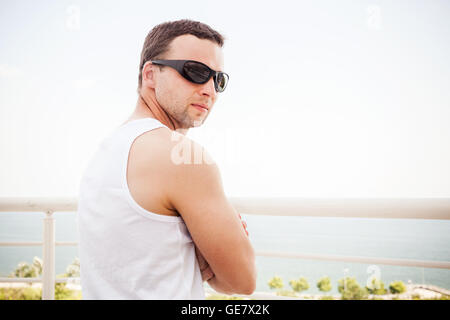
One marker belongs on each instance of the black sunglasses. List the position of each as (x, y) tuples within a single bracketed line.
[(197, 72)]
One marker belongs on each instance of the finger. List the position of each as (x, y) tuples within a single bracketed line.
[(207, 274), (202, 264)]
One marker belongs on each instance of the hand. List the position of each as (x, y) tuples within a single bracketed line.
[(205, 269)]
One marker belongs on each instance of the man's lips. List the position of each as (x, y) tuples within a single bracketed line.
[(200, 106)]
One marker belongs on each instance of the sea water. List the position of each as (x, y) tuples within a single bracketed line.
[(415, 239)]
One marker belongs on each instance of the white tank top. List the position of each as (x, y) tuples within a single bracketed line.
[(127, 252)]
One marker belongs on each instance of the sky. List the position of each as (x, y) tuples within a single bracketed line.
[(326, 98)]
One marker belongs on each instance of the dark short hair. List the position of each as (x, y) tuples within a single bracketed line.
[(159, 38)]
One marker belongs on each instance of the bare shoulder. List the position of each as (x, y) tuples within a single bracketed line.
[(176, 151), (182, 166), (175, 162), (149, 171), (150, 146)]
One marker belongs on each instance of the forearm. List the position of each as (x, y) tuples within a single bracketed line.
[(211, 278), (236, 284), (219, 286)]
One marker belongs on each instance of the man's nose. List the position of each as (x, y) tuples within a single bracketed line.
[(209, 89)]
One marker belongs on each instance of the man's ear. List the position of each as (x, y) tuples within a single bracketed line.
[(148, 75)]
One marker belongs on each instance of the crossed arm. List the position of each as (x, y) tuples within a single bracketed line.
[(208, 274), (224, 252), (205, 269)]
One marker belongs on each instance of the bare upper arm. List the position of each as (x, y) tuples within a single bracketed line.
[(195, 190)]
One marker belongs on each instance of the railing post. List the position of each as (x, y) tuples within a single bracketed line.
[(48, 274)]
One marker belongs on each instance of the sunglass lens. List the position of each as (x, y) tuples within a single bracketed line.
[(221, 81), (197, 72)]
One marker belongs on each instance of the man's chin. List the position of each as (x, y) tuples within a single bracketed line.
[(196, 123)]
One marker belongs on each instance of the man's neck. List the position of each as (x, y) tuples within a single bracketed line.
[(147, 106)]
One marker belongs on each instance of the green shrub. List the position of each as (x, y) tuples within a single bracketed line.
[(351, 290), (299, 285), (324, 284), (397, 287), (34, 270), (442, 297), (73, 269), (376, 287), (61, 292), (415, 296), (28, 293), (286, 293), (223, 297), (25, 270), (275, 283), (20, 294)]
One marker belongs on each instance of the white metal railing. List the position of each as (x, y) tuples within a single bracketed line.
[(425, 208)]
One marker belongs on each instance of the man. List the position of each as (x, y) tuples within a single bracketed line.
[(150, 226)]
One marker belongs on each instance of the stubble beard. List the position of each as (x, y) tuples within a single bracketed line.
[(182, 116), (180, 112)]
